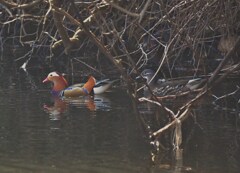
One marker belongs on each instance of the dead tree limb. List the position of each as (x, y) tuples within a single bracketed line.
[(79, 35), (144, 10), (58, 20), (122, 9), (22, 6), (223, 62)]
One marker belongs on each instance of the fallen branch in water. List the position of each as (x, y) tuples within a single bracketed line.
[(159, 104), (181, 94)]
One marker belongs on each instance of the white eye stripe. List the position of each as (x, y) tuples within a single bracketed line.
[(53, 74), (147, 73)]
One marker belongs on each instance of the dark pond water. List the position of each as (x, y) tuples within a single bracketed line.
[(39, 133)]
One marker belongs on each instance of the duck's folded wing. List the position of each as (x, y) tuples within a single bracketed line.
[(74, 92), (77, 85), (102, 82), (105, 82)]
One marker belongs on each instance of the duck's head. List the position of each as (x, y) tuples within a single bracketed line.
[(147, 74), (59, 82)]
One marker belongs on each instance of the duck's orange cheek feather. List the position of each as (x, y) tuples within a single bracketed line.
[(58, 87)]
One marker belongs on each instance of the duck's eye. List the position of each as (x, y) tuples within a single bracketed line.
[(51, 75)]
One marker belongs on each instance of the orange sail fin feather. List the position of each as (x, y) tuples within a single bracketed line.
[(90, 84)]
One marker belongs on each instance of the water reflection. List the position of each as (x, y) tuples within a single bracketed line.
[(97, 102), (60, 105), (56, 109)]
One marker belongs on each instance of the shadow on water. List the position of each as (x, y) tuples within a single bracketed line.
[(40, 133)]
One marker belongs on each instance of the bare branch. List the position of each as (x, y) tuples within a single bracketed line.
[(122, 9), (22, 6), (144, 10)]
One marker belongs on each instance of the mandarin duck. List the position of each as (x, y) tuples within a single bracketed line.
[(172, 86), (60, 86)]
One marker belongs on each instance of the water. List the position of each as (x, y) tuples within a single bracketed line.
[(39, 133), (77, 136)]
